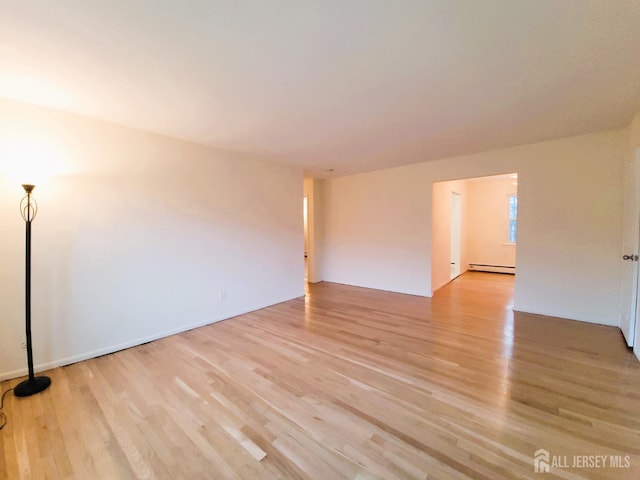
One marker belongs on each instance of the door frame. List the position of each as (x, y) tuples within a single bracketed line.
[(632, 341), (630, 298), (455, 234)]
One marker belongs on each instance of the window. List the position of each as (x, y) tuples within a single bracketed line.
[(513, 217)]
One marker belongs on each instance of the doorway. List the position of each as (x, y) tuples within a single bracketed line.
[(305, 220), (474, 227), (310, 250), (456, 234)]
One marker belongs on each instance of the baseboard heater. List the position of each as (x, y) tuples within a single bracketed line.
[(481, 267)]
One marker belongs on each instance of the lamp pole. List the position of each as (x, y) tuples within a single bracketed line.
[(33, 385)]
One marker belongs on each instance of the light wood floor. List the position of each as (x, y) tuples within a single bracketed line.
[(345, 383)]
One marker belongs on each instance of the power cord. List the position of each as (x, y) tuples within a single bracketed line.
[(3, 417)]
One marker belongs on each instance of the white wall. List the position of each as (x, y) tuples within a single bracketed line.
[(487, 231), (138, 238), (378, 225), (376, 231), (441, 231)]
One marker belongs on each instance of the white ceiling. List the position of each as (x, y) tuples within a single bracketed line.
[(352, 85)]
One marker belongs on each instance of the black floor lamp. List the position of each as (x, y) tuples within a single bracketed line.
[(33, 385)]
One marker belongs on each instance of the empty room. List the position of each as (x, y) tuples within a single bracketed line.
[(319, 240)]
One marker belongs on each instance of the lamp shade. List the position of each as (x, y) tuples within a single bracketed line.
[(26, 162)]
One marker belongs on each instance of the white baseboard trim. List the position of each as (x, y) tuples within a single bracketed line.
[(41, 367)]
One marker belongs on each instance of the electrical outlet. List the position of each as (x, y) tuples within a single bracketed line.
[(23, 345), (222, 295)]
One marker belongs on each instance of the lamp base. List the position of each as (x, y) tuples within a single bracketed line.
[(31, 387)]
